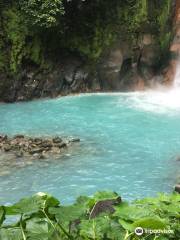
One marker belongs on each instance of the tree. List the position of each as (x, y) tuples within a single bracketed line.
[(42, 13)]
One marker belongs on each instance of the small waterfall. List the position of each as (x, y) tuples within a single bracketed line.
[(175, 49), (177, 76)]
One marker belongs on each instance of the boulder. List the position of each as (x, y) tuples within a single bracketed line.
[(177, 188), (57, 140), (74, 140), (104, 206)]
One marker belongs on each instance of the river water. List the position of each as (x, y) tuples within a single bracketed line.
[(130, 144)]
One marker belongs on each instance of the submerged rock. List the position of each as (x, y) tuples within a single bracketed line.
[(74, 140)]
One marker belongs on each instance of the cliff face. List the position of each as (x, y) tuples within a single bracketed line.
[(84, 46), (174, 47)]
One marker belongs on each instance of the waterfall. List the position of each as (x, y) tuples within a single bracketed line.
[(173, 74), (177, 76)]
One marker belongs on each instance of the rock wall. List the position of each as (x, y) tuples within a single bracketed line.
[(174, 48), (119, 51), (127, 67), (122, 67)]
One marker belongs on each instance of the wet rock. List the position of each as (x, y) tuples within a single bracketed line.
[(19, 136), (3, 137), (74, 140), (46, 145), (104, 206), (36, 148), (19, 154), (57, 140), (62, 145), (177, 188), (36, 151), (42, 156), (55, 150), (7, 148)]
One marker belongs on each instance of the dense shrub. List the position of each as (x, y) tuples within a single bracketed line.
[(101, 217), (80, 26)]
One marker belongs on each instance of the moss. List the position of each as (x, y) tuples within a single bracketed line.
[(92, 48), (16, 33), (165, 33), (36, 51), (138, 16), (85, 33), (2, 55)]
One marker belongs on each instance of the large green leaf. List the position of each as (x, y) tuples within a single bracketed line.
[(38, 229), (2, 215), (72, 212), (126, 225), (115, 231), (131, 213), (151, 223), (11, 234), (68, 213), (164, 205), (94, 228), (32, 204)]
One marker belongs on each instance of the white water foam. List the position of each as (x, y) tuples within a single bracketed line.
[(160, 101)]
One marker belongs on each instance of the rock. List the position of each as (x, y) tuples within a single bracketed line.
[(36, 155), (3, 137), (39, 148), (7, 148), (55, 150), (104, 206), (19, 154), (177, 188), (149, 55), (62, 145), (46, 145), (42, 156), (36, 151), (110, 67), (74, 140), (19, 136), (57, 140)]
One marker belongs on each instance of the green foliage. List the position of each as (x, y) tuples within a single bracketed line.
[(165, 33), (41, 217), (34, 30), (42, 13), (93, 48), (2, 55), (16, 33), (137, 15)]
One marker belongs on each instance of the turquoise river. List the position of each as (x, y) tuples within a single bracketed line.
[(130, 143)]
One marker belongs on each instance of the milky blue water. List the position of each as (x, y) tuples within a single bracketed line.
[(129, 144)]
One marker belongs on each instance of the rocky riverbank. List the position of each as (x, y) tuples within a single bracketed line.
[(32, 147)]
